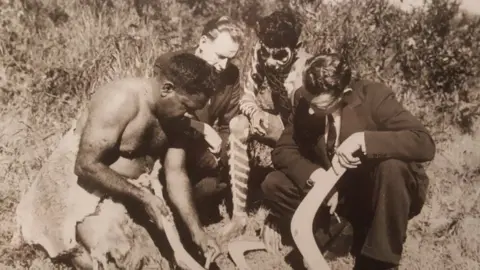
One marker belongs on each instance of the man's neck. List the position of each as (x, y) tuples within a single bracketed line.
[(155, 101), (198, 52)]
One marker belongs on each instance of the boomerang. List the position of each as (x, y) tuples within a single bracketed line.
[(302, 221)]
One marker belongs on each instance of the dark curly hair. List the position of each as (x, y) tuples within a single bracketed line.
[(191, 74), (326, 74), (279, 29)]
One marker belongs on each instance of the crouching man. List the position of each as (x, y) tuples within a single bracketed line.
[(380, 144), (194, 159), (125, 128)]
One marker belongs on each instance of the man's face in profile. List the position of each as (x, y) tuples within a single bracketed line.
[(320, 104), (217, 52), (178, 100)]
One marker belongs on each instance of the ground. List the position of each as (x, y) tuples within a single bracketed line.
[(51, 61)]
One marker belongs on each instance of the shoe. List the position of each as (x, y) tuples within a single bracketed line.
[(366, 263)]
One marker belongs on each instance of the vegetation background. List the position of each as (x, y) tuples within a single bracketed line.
[(54, 53)]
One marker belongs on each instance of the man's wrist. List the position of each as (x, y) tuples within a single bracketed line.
[(142, 196)]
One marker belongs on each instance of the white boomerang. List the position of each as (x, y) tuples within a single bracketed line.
[(302, 221), (301, 224)]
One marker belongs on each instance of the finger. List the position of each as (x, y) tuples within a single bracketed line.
[(260, 128), (329, 203), (262, 235), (344, 162), (341, 160), (265, 122), (268, 239), (351, 159), (214, 251), (214, 150), (209, 258), (335, 164), (273, 237), (276, 241), (333, 207), (259, 131)]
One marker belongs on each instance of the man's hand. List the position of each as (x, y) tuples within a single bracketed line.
[(332, 203), (155, 208), (211, 136), (213, 139), (345, 151), (207, 244), (259, 123), (271, 237)]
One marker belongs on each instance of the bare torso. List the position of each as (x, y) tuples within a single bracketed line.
[(142, 141)]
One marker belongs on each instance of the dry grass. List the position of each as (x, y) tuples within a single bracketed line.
[(53, 54)]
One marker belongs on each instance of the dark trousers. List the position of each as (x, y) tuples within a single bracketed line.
[(205, 172), (377, 199)]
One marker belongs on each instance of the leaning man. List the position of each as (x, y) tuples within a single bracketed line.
[(118, 137), (190, 162), (377, 140)]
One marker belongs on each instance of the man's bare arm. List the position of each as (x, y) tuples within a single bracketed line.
[(180, 191), (99, 139)]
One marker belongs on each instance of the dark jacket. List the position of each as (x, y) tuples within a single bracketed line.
[(223, 105), (390, 132)]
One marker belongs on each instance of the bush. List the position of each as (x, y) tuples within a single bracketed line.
[(430, 56)]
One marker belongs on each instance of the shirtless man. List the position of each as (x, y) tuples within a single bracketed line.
[(127, 126)]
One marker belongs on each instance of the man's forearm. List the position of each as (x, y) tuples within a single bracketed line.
[(180, 193), (112, 182)]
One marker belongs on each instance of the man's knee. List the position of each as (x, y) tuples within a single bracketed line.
[(392, 166), (393, 173), (239, 127), (272, 186)]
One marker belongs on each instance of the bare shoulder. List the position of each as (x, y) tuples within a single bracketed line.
[(117, 100)]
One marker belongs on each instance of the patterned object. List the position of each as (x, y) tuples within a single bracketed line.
[(268, 90), (262, 82)]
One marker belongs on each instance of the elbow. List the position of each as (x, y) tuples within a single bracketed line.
[(430, 149), (277, 159), (427, 146), (83, 169)]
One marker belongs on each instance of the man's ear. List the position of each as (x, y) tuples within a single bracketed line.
[(167, 89), (299, 45), (203, 40)]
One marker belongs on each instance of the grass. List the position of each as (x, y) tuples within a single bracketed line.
[(54, 53)]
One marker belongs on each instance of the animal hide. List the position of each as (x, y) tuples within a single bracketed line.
[(62, 217)]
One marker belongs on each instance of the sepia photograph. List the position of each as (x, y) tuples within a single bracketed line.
[(240, 135)]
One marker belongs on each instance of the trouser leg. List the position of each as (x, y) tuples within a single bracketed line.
[(379, 202), (281, 196)]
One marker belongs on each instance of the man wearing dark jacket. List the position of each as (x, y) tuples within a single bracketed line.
[(379, 142), (198, 173)]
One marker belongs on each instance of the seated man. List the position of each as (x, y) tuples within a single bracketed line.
[(124, 129), (218, 45), (274, 74), (380, 144)]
